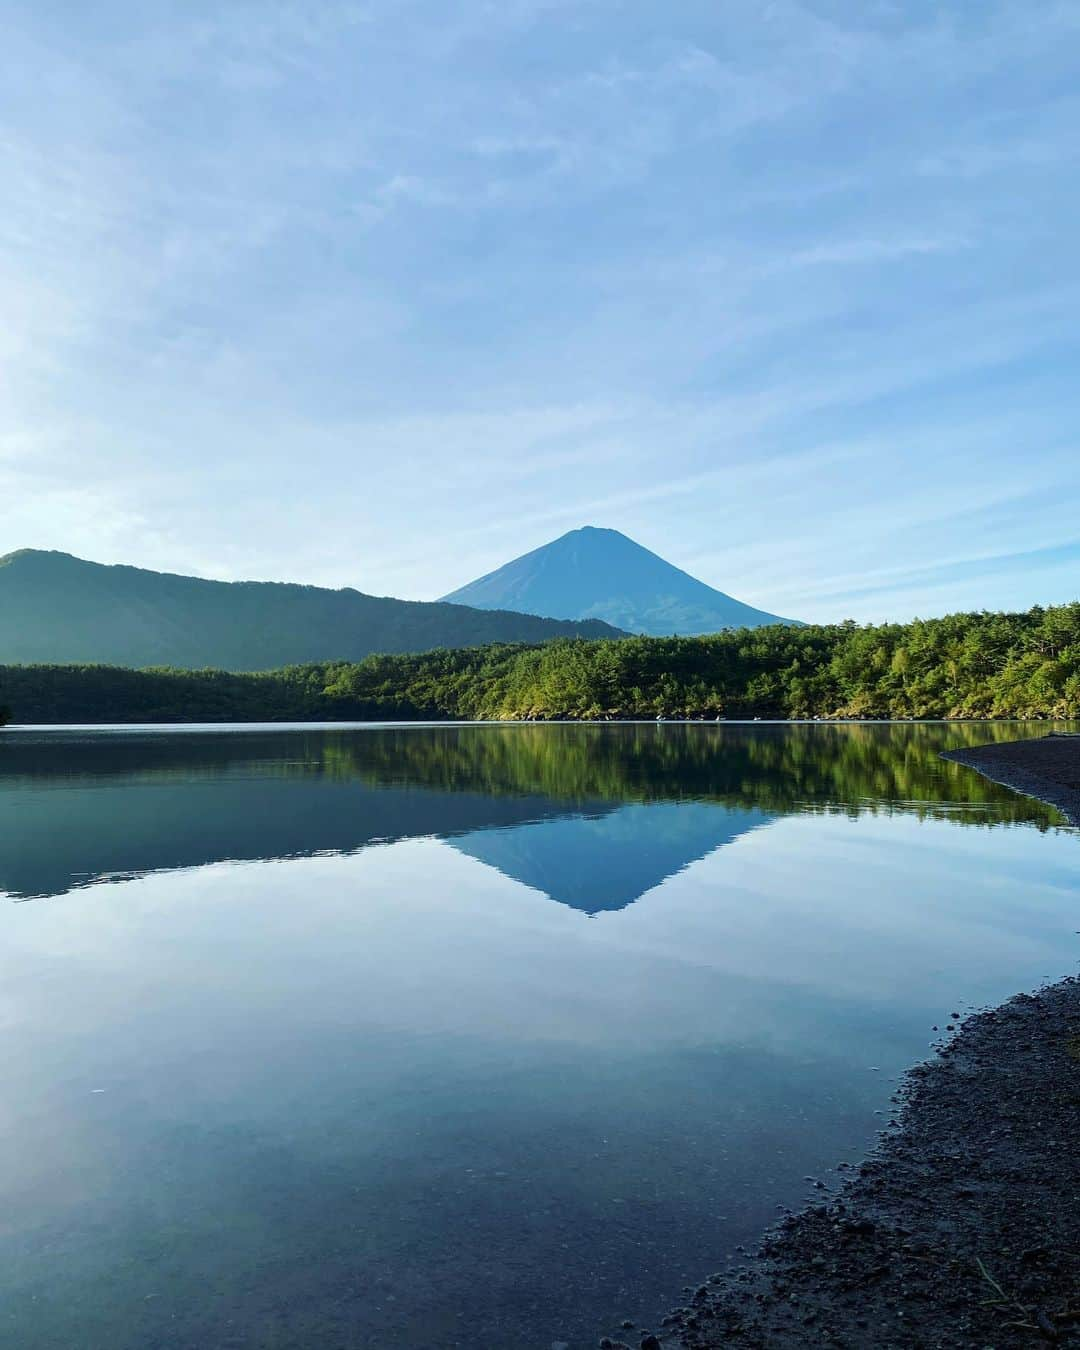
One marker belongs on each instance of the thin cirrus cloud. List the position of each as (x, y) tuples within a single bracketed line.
[(380, 295), (1066, 555)]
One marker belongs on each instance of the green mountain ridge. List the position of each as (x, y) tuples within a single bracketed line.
[(56, 608)]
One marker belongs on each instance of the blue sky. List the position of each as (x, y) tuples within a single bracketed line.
[(385, 293)]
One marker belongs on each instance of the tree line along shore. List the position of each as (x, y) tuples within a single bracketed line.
[(982, 665)]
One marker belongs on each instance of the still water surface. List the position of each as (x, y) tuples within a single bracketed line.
[(468, 1036)]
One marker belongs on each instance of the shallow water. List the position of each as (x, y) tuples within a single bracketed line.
[(479, 1036)]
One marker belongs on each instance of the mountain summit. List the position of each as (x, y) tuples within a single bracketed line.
[(594, 573)]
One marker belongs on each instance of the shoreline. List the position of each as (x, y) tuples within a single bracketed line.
[(960, 1229), (344, 724), (962, 1225), (1046, 768)]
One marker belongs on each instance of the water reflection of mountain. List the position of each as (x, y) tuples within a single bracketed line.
[(610, 811), (66, 837), (605, 862)]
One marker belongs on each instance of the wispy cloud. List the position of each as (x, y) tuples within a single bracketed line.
[(855, 251), (981, 566), (373, 293)]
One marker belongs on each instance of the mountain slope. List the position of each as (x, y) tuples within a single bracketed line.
[(601, 574), (56, 608)]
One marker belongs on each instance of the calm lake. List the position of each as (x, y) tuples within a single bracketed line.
[(469, 1036)]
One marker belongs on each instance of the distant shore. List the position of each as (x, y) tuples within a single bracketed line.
[(962, 1227), (436, 720)]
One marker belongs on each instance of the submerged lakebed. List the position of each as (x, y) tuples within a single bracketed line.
[(470, 1036)]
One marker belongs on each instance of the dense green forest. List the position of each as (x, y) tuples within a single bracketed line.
[(964, 665)]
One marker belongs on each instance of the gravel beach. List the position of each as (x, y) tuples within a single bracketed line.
[(962, 1229)]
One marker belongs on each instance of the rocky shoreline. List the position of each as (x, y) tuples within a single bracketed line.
[(962, 1228)]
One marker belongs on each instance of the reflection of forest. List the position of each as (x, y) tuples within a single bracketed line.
[(775, 769), (76, 808)]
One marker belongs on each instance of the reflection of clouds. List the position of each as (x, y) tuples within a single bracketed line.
[(823, 913), (889, 910), (307, 1063)]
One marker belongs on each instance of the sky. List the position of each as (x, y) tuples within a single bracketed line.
[(383, 293)]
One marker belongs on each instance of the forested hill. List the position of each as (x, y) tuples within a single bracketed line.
[(965, 665), (54, 607)]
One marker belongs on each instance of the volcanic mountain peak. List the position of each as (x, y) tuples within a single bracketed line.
[(596, 573)]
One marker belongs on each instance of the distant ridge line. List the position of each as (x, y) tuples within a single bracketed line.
[(56, 608)]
